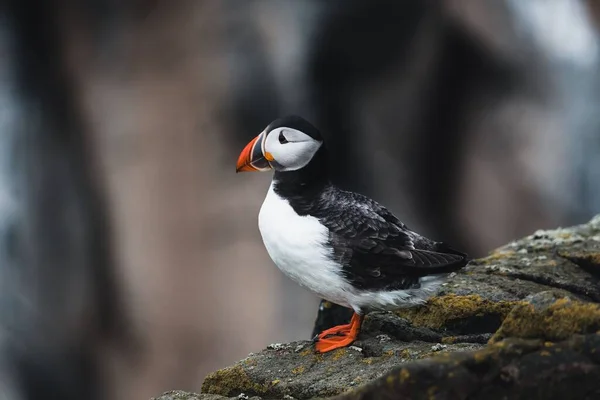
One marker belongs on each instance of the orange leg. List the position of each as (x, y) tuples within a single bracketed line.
[(346, 334)]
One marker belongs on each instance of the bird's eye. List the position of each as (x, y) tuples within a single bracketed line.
[(282, 138)]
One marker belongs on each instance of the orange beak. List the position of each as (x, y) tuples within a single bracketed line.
[(253, 158)]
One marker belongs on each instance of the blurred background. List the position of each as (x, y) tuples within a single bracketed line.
[(130, 257)]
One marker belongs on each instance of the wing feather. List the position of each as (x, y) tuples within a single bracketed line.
[(378, 251)]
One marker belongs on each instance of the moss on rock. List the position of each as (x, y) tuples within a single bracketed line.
[(440, 311), (231, 381), (558, 321)]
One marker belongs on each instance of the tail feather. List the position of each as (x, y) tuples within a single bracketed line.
[(442, 259)]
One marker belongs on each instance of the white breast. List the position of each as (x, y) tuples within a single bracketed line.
[(298, 246)]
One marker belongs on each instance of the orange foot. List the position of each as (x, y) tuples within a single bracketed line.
[(346, 334)]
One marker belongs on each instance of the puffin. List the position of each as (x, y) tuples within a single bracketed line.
[(342, 246)]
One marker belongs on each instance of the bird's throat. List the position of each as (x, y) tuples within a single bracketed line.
[(303, 185)]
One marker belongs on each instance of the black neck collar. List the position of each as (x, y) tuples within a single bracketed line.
[(302, 187)]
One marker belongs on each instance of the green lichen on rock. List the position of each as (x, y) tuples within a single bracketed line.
[(440, 311), (557, 321), (232, 381)]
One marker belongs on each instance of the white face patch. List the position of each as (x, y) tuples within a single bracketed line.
[(290, 148)]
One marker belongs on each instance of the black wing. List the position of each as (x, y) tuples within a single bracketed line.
[(378, 251)]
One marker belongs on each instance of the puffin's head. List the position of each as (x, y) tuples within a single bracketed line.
[(286, 144)]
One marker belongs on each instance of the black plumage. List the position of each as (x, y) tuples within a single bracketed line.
[(376, 250)]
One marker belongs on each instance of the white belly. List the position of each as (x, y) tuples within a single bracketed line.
[(298, 246)]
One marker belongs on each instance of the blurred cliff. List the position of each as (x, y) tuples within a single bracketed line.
[(131, 259)]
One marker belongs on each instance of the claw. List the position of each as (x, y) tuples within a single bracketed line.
[(344, 335), (336, 330), (326, 345)]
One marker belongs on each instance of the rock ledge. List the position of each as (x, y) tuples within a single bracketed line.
[(521, 323)]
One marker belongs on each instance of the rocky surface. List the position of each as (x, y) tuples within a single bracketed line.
[(520, 323)]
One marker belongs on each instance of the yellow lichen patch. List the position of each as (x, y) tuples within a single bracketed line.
[(560, 320), (306, 352), (298, 370), (498, 255), (231, 380), (339, 353), (405, 354), (591, 258), (275, 382), (490, 352), (367, 361), (440, 310), (448, 339), (426, 355), (390, 379), (404, 375), (561, 302), (388, 353)]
